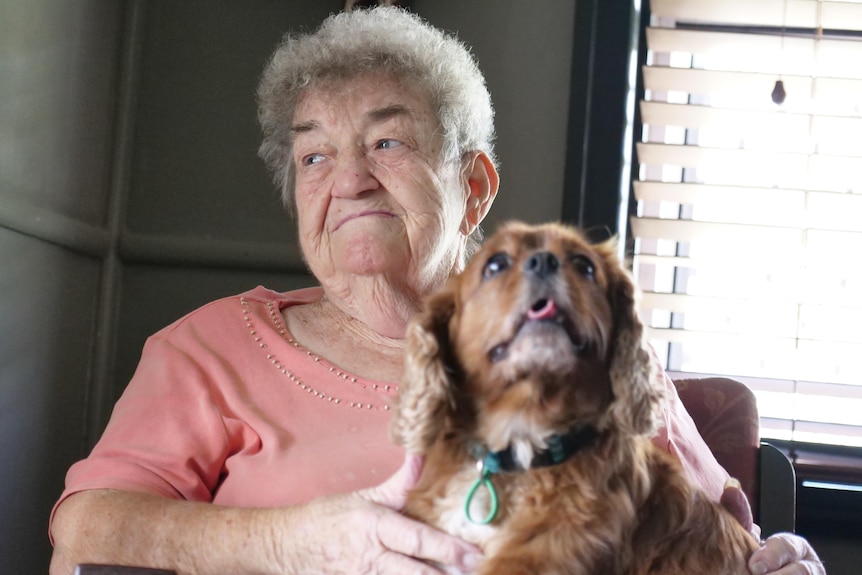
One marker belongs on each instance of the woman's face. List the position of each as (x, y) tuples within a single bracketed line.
[(373, 197)]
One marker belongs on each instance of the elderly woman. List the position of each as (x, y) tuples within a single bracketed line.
[(253, 436)]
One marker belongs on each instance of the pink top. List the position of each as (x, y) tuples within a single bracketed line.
[(226, 407)]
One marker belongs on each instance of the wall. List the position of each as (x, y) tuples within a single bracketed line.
[(57, 100), (131, 193), (526, 55)]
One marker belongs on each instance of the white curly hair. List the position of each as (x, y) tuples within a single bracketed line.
[(383, 39)]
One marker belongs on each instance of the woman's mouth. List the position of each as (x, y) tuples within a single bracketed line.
[(363, 214)]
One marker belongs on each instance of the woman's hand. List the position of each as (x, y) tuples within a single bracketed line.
[(786, 554), (781, 554), (364, 532), (734, 500)]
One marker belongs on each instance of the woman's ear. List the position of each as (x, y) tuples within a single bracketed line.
[(482, 182)]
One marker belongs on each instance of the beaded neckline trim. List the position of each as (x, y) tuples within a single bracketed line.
[(275, 317)]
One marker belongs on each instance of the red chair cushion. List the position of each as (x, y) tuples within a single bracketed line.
[(725, 412)]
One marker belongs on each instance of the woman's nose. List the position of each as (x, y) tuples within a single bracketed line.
[(353, 176)]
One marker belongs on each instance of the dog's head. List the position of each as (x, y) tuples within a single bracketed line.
[(540, 333)]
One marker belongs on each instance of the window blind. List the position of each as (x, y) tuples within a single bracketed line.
[(748, 230)]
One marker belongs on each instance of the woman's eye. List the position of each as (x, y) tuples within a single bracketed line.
[(497, 263), (312, 159), (388, 144), (584, 266)]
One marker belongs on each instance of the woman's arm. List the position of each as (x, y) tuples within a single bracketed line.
[(126, 528), (360, 532)]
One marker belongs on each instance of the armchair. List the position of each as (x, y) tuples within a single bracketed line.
[(725, 412)]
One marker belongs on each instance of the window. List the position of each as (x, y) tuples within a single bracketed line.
[(748, 232)]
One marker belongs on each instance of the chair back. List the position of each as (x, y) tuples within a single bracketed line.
[(725, 413)]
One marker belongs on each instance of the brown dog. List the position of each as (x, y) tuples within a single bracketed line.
[(530, 390)]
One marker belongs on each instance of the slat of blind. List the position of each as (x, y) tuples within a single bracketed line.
[(817, 322), (675, 261), (692, 116), (824, 244), (718, 83), (763, 12), (799, 13), (827, 131), (758, 167), (761, 237), (687, 193), (835, 135), (817, 316), (704, 42), (806, 209), (796, 129), (700, 156), (722, 84), (742, 272), (721, 203), (847, 279), (716, 339), (831, 390), (833, 211), (841, 16), (678, 302), (839, 58), (719, 340), (777, 358), (785, 241), (822, 432), (788, 54), (838, 174)]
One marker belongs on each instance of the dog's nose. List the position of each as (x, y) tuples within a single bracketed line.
[(542, 264)]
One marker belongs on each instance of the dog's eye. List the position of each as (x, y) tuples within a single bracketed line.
[(496, 264), (584, 266)]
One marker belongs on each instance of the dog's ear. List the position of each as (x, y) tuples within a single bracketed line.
[(425, 399), (638, 392)]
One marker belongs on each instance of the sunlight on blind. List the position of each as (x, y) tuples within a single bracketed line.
[(749, 217)]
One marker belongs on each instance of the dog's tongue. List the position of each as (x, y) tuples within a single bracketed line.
[(544, 309)]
